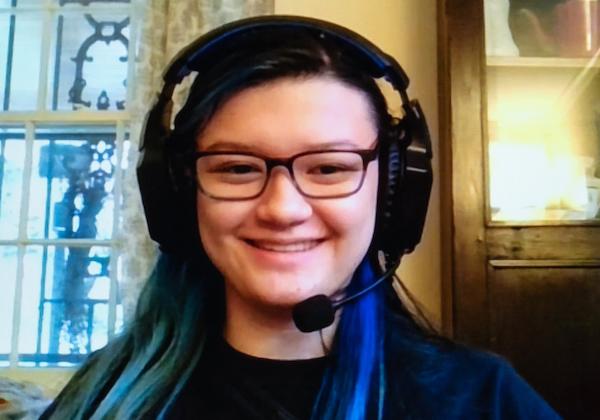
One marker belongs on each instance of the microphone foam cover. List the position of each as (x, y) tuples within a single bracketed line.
[(313, 314)]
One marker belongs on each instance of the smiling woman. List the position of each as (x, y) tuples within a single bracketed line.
[(283, 247), (285, 184)]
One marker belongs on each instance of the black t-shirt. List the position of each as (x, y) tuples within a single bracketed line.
[(461, 384), (231, 385)]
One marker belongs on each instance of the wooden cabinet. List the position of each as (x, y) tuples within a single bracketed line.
[(522, 275)]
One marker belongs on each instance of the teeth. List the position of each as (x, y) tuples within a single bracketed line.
[(293, 247)]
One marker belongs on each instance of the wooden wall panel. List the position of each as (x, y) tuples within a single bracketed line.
[(544, 242), (461, 61), (545, 318), (529, 291)]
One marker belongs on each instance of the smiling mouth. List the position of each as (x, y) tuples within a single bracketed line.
[(300, 246)]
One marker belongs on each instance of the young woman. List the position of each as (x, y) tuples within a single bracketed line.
[(281, 163)]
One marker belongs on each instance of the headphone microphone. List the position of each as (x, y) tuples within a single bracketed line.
[(318, 312)]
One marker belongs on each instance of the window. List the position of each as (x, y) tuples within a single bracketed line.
[(65, 73)]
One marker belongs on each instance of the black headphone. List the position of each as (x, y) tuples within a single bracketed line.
[(405, 161)]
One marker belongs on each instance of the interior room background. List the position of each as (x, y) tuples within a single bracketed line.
[(510, 256), (76, 78)]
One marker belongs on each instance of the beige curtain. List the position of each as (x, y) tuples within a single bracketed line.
[(164, 27)]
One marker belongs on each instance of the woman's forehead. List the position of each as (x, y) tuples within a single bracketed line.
[(308, 113), (245, 146)]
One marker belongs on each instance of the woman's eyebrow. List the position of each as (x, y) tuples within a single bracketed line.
[(229, 145), (246, 147)]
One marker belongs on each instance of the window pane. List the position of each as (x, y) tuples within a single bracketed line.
[(543, 112), (72, 183), (4, 35), (86, 2), (20, 49), (8, 262), (12, 159), (67, 3), (65, 297), (89, 61), (38, 4)]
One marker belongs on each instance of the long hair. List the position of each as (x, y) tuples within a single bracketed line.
[(144, 371), (354, 385)]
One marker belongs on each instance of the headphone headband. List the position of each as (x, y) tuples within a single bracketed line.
[(405, 163), (191, 57)]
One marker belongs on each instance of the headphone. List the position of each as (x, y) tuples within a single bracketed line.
[(405, 161)]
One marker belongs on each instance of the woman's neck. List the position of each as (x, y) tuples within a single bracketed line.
[(271, 333)]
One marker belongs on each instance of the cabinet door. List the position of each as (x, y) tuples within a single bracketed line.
[(520, 121)]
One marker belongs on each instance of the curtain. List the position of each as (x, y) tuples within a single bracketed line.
[(164, 27)]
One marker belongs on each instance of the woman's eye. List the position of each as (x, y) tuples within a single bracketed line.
[(239, 169), (329, 169)]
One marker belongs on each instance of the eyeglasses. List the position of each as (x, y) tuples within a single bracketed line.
[(316, 174)]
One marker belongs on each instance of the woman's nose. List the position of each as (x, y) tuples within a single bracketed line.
[(281, 204)]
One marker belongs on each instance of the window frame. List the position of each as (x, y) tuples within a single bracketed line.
[(119, 120)]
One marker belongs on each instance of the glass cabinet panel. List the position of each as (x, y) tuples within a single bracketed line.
[(543, 110)]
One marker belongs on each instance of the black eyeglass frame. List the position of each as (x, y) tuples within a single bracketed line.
[(367, 156)]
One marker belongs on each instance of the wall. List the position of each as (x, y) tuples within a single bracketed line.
[(405, 29)]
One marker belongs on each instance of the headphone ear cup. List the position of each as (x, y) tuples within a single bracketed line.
[(170, 210), (391, 174), (407, 185)]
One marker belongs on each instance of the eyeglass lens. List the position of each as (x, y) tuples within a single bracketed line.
[(239, 176)]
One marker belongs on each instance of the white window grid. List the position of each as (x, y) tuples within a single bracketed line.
[(42, 116)]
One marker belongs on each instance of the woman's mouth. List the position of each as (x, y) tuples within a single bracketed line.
[(285, 246)]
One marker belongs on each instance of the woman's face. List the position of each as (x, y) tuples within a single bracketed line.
[(282, 247)]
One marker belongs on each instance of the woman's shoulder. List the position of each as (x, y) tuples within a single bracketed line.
[(463, 382), (496, 385), (480, 369), (475, 364)]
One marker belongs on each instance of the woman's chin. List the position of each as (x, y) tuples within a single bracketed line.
[(285, 302)]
